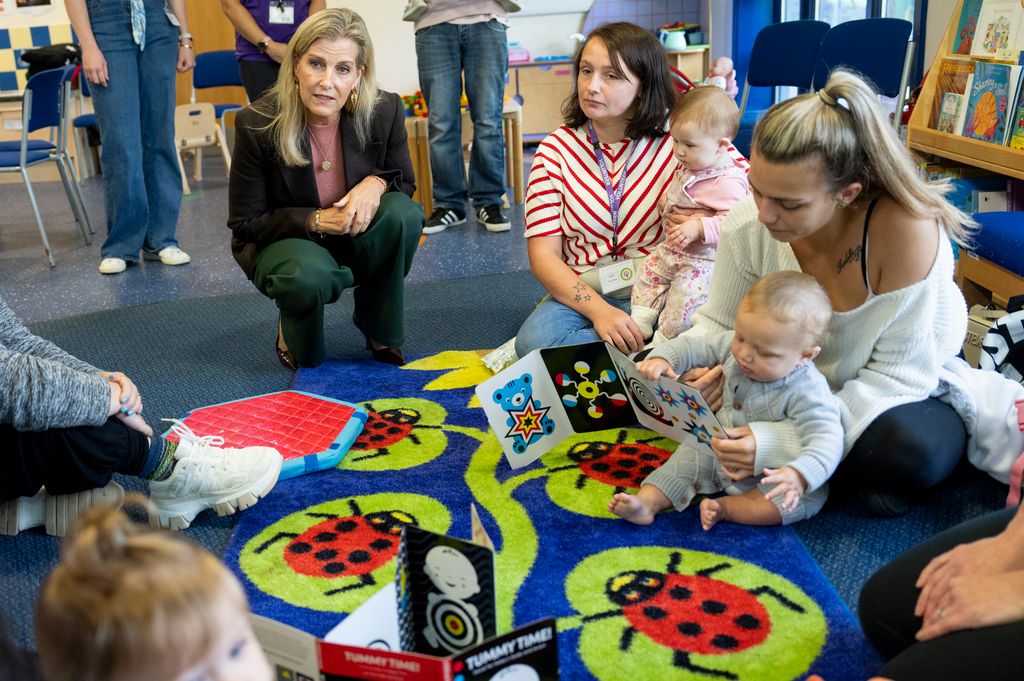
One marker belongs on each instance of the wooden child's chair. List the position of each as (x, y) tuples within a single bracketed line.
[(195, 127)]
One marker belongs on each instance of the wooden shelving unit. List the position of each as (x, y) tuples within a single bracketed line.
[(980, 279), (920, 136)]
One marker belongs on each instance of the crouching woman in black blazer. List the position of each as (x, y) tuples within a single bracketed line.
[(320, 190)]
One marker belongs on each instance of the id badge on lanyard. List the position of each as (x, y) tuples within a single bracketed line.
[(282, 12), (619, 274)]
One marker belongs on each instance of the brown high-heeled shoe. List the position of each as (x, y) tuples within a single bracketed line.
[(284, 356), (382, 354)]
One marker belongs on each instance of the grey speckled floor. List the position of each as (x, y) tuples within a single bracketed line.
[(74, 286)]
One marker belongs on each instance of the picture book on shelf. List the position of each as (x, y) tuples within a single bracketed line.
[(993, 89), (553, 393), (966, 27), (954, 78), (996, 34), (1015, 131), (951, 113)]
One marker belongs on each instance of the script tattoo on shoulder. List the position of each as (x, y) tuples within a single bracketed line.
[(582, 292), (852, 255)]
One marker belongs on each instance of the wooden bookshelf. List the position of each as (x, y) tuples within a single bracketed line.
[(997, 158)]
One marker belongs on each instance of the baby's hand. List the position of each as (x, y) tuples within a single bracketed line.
[(681, 235), (653, 368), (789, 483)]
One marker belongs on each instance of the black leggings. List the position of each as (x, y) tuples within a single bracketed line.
[(910, 447), (68, 460), (887, 616), (257, 76)]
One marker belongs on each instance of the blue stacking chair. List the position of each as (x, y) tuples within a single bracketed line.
[(45, 104), (218, 68), (84, 120), (783, 54), (880, 49)]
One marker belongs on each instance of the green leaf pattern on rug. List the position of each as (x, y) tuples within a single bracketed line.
[(668, 609), (335, 555)]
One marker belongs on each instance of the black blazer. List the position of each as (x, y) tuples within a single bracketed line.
[(268, 201)]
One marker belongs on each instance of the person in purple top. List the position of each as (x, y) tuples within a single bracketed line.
[(262, 31)]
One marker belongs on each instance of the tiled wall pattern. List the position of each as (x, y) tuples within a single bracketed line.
[(14, 41), (647, 13)]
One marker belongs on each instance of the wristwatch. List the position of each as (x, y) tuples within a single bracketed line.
[(263, 44)]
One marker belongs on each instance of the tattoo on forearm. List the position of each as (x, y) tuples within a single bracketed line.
[(852, 255), (582, 292)]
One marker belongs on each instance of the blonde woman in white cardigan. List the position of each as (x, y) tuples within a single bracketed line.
[(837, 196)]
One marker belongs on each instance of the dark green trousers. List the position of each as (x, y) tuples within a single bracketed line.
[(303, 275)]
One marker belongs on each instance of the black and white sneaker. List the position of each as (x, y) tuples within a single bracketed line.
[(442, 218), (491, 217)]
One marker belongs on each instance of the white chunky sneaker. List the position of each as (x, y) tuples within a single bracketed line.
[(55, 512), (112, 265), (170, 255), (207, 475)]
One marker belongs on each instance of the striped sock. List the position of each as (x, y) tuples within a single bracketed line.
[(160, 463)]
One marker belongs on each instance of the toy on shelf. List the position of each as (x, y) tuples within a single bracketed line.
[(415, 105), (723, 75)]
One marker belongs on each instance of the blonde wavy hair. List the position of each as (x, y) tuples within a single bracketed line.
[(282, 104), (843, 125), (129, 602)]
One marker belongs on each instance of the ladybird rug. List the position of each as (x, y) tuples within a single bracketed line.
[(666, 601)]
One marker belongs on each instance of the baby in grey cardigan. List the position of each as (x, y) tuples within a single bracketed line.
[(769, 376)]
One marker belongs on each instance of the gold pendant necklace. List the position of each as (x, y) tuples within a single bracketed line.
[(325, 165)]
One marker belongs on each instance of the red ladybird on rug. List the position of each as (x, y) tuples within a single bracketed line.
[(691, 614), (620, 464), (351, 546), (385, 429)]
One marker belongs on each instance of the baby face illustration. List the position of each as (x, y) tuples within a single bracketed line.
[(451, 572)]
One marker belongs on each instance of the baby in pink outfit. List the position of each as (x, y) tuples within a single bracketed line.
[(711, 178)]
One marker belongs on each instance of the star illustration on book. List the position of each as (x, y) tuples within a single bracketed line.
[(695, 407), (666, 396), (526, 422)]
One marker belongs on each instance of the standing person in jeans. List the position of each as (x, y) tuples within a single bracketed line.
[(464, 37), (262, 31), (129, 52)]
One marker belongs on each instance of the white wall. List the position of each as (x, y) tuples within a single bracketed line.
[(51, 15), (939, 13)]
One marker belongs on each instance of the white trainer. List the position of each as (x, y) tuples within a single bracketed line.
[(55, 512), (170, 255), (112, 265), (207, 475)]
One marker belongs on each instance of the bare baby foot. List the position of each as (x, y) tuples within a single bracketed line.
[(711, 512), (631, 508)]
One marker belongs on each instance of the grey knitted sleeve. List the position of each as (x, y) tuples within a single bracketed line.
[(43, 387)]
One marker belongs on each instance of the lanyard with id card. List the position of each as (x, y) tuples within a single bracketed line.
[(282, 12), (619, 274)]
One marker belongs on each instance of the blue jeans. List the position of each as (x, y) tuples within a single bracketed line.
[(135, 113), (444, 52), (552, 324)]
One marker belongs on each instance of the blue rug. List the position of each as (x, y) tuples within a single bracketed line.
[(666, 601)]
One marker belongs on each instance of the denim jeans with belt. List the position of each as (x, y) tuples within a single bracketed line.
[(444, 52), (135, 113)]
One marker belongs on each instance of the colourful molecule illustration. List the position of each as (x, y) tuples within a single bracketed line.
[(589, 390)]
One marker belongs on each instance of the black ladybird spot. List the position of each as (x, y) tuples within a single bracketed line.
[(377, 425), (299, 547), (648, 456), (324, 537), (394, 430), (601, 467), (359, 556), (747, 622), (377, 437), (689, 629), (654, 613), (626, 449), (346, 525), (647, 470), (334, 568), (381, 544), (626, 463), (713, 607), (620, 475), (326, 554), (725, 642), (680, 593)]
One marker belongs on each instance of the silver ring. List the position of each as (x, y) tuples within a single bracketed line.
[(941, 613)]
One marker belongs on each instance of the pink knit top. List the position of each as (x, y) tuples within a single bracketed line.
[(325, 145)]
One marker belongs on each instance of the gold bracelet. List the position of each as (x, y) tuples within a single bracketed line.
[(187, 47), (380, 179), (316, 224)]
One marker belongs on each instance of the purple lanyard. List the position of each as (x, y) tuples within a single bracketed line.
[(614, 195)]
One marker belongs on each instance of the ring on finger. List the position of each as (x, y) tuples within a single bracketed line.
[(941, 613)]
